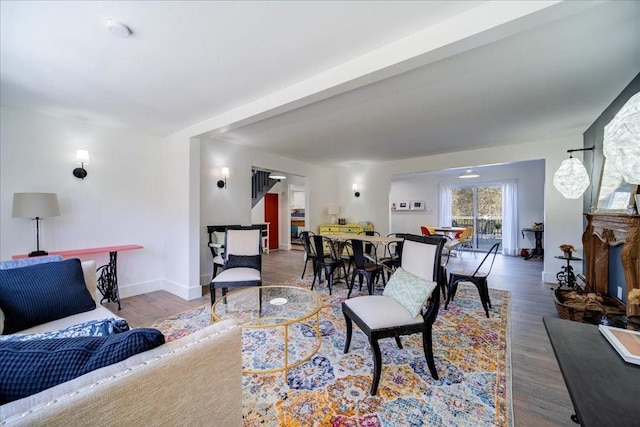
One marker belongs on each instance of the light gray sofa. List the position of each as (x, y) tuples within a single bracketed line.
[(194, 380)]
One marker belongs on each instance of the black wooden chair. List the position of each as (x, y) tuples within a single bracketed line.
[(363, 268), (391, 260), (328, 260), (380, 316), (242, 260), (477, 277)]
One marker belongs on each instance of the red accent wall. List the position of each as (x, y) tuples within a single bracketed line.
[(271, 216)]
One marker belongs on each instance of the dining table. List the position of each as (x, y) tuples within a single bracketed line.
[(448, 230), (365, 238), (376, 241)]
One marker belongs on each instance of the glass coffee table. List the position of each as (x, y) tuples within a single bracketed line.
[(285, 313)]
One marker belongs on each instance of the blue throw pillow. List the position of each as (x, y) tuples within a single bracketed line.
[(37, 294), (92, 328), (28, 367)]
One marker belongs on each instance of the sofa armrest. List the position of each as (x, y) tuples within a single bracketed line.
[(195, 380), (91, 280)]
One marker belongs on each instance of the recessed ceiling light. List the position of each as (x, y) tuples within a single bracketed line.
[(118, 29), (468, 174)]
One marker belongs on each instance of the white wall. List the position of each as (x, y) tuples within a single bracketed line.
[(119, 202), (425, 186), (161, 193), (233, 205)]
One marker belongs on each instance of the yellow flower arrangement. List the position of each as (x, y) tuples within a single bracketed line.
[(567, 248)]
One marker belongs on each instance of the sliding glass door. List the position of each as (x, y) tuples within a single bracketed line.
[(479, 207)]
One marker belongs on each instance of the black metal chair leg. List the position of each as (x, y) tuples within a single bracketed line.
[(453, 287), (397, 337)]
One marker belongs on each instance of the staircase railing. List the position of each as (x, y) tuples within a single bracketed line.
[(260, 185)]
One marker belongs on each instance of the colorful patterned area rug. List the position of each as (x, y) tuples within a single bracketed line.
[(472, 356)]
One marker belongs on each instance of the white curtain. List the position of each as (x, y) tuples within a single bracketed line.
[(444, 216), (510, 217)]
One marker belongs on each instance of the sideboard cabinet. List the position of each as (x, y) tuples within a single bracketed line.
[(344, 229)]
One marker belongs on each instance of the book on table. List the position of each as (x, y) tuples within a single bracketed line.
[(626, 342)]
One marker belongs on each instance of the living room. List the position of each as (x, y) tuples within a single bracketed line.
[(158, 187)]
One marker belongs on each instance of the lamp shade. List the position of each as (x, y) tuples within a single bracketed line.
[(333, 210), (621, 144), (82, 156), (35, 205), (571, 179)]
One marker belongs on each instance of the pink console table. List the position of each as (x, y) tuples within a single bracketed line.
[(107, 274)]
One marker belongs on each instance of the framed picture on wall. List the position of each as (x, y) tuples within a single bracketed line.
[(403, 205), (417, 205)]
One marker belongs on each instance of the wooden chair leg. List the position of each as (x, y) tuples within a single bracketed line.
[(377, 365), (427, 345), (347, 341), (212, 293)]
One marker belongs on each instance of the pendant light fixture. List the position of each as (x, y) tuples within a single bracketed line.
[(571, 179), (469, 173), (621, 144)]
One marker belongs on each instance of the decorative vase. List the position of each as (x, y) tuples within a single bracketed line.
[(567, 254)]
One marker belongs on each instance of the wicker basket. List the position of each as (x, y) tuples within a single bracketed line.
[(609, 306)]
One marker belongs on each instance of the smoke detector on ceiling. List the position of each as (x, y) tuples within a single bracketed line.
[(118, 29)]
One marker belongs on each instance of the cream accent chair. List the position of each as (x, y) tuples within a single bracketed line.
[(242, 260), (380, 316)]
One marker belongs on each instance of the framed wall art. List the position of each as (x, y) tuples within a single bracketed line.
[(417, 205), (403, 205)]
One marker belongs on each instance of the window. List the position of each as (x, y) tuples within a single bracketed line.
[(479, 207)]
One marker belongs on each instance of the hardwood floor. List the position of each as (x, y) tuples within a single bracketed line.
[(540, 397)]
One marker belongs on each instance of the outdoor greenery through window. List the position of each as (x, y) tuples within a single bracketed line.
[(480, 208)]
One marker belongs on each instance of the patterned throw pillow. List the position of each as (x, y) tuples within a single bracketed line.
[(38, 294), (92, 328), (409, 290), (219, 235), (28, 367)]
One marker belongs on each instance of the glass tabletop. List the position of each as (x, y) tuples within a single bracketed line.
[(265, 306)]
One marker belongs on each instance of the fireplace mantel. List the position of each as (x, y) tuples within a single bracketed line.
[(605, 230)]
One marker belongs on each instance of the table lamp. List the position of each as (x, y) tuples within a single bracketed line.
[(35, 206), (333, 211)]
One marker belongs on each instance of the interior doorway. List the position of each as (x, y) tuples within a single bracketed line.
[(271, 215), (297, 203)]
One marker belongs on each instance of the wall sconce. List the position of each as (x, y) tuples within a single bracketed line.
[(571, 178), (224, 172), (82, 157), (356, 193)]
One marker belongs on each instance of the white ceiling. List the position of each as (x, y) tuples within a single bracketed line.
[(325, 82)]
